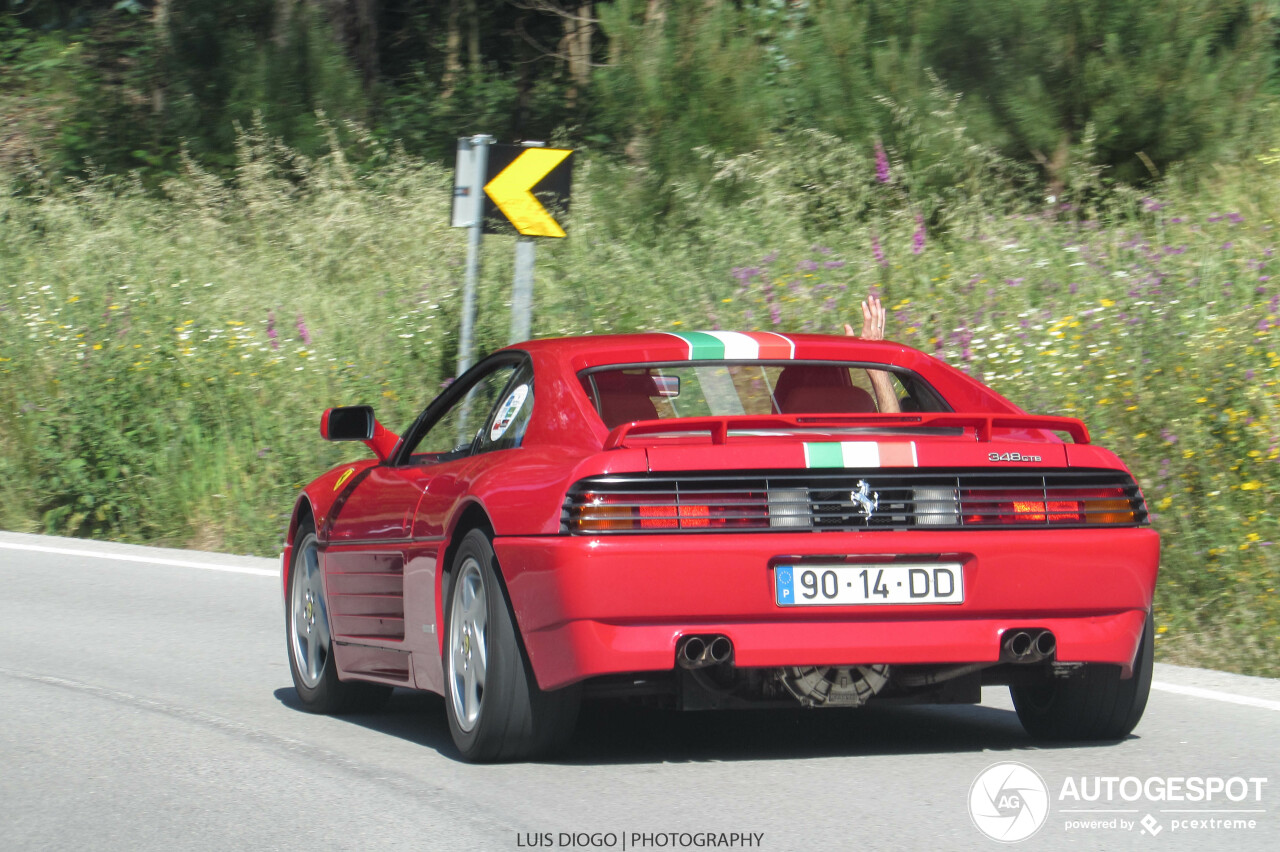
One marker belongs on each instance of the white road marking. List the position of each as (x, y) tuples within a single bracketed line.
[(1215, 695), (146, 560)]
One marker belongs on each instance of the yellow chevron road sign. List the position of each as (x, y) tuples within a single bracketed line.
[(522, 181)]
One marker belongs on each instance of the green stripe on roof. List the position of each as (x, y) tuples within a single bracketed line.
[(823, 454), (702, 346)]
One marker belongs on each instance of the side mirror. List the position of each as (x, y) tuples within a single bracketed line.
[(350, 423)]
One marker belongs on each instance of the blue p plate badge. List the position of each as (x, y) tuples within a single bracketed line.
[(784, 585)]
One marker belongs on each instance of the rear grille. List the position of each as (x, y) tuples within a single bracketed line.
[(842, 501)]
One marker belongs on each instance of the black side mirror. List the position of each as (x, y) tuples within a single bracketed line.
[(350, 423)]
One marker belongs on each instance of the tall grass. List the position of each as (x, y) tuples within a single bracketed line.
[(163, 359)]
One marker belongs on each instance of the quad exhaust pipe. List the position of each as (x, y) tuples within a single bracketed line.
[(696, 652), (1028, 646)]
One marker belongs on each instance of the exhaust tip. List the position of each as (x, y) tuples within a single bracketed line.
[(696, 652), (720, 649), (1046, 644), (692, 650), (1019, 644)]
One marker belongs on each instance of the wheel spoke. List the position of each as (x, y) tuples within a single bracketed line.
[(479, 655), (320, 629), (300, 619), (471, 695)]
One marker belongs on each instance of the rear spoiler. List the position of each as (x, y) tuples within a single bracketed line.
[(718, 427)]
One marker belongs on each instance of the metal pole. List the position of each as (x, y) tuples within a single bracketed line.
[(480, 145), (522, 286), (522, 290)]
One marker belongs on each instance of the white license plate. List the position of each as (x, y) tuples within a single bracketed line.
[(855, 585)]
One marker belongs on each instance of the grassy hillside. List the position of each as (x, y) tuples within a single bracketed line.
[(164, 359)]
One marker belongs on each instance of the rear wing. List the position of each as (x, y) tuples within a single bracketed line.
[(719, 427)]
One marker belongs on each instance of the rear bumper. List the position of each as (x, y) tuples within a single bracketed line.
[(593, 606)]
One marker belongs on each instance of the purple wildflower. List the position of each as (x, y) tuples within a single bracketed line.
[(271, 330), (1235, 218), (1152, 206), (303, 334), (821, 249), (882, 164), (769, 258), (1073, 287), (832, 264), (877, 252), (1014, 282), (807, 266), (1168, 436), (917, 239)]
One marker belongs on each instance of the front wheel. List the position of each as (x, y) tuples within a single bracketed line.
[(315, 674), (496, 710), (1094, 704)]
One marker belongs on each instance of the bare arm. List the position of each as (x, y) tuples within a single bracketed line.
[(873, 321)]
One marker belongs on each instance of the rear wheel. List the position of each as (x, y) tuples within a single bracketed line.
[(1094, 704), (496, 710), (315, 674)]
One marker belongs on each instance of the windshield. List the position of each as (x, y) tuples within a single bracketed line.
[(666, 391)]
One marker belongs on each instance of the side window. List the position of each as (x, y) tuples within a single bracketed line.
[(505, 427), (454, 433)]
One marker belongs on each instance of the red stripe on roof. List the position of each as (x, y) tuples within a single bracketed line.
[(773, 345)]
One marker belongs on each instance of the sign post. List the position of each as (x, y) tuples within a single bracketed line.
[(468, 212), (522, 286)]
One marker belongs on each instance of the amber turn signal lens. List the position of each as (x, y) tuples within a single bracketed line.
[(1108, 512)]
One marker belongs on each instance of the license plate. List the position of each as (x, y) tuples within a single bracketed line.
[(856, 585)]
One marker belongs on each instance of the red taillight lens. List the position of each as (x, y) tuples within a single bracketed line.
[(1062, 506), (664, 511)]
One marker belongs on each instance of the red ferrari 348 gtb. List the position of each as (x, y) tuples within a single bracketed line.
[(717, 520)]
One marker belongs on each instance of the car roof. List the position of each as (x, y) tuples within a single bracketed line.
[(579, 353)]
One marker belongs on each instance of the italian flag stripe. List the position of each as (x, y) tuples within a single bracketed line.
[(854, 454), (773, 345), (736, 346), (819, 454), (702, 346)]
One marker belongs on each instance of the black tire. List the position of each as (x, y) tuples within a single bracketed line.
[(496, 710), (1094, 704), (310, 640)]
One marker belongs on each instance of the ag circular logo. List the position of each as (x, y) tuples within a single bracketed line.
[(1008, 802)]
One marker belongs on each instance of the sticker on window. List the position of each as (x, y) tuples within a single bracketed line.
[(507, 412)]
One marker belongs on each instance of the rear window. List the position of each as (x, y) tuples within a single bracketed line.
[(666, 391)]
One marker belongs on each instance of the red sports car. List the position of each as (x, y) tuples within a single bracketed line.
[(716, 520)]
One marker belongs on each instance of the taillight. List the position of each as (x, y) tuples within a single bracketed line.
[(640, 511), (1089, 506)]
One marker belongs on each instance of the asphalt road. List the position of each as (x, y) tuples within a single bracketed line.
[(145, 703)]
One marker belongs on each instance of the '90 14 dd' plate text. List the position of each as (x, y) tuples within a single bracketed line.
[(884, 584)]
